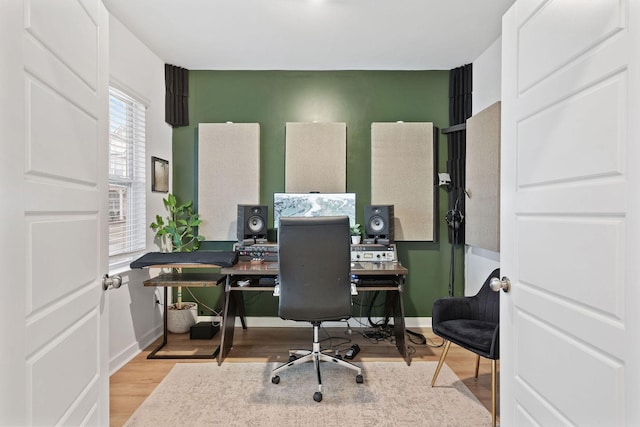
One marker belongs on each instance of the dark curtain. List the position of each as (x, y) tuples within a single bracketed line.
[(176, 81), (460, 89)]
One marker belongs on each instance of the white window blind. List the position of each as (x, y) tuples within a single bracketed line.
[(127, 228)]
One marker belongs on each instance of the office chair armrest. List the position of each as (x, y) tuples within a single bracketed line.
[(450, 309)]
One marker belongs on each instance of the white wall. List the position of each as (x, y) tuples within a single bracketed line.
[(487, 77), (135, 320), (486, 91)]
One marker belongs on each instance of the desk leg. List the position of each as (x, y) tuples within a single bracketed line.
[(239, 300), (240, 309), (228, 323), (165, 329), (400, 332), (394, 306)]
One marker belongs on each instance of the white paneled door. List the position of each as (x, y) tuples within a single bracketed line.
[(54, 117), (570, 228)]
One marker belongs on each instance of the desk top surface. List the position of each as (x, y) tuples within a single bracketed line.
[(358, 268)]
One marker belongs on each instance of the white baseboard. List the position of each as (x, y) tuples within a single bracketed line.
[(126, 355), (276, 322), (133, 350)]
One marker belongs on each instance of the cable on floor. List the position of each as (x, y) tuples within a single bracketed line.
[(201, 304)]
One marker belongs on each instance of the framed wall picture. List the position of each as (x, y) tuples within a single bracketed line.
[(159, 175)]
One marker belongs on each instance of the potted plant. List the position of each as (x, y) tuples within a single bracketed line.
[(178, 234), (355, 231)]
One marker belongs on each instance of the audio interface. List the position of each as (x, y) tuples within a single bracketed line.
[(362, 252), (264, 252), (373, 252)]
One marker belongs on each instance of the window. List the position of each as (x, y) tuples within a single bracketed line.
[(127, 184)]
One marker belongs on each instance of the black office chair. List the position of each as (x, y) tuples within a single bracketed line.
[(474, 324), (314, 256)]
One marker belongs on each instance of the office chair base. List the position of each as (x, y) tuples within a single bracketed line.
[(316, 356)]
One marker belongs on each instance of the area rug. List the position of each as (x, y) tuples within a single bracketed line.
[(241, 394)]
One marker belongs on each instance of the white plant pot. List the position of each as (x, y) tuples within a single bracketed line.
[(355, 240), (181, 321)]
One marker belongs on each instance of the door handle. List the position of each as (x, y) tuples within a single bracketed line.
[(497, 284), (113, 282)]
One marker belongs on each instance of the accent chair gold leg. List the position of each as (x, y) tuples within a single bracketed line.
[(447, 344), (477, 364), (494, 386)]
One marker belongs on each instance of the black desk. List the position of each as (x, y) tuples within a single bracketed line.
[(234, 301), (178, 261), (188, 279)]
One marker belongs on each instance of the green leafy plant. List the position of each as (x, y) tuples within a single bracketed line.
[(178, 232), (355, 230)]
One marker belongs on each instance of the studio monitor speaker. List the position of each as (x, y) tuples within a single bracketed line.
[(252, 222), (378, 224)]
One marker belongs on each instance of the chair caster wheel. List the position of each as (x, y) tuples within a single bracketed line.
[(317, 396), (292, 357), (275, 380), (359, 379)]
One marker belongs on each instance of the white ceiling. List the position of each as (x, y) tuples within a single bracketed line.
[(314, 34)]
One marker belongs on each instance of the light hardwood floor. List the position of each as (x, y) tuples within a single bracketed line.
[(130, 385)]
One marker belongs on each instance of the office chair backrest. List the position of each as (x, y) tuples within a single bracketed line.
[(315, 262)]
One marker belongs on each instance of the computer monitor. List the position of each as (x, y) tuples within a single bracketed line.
[(314, 204)]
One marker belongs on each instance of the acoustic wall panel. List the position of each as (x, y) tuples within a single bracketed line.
[(403, 175), (228, 175), (316, 157), (482, 207)]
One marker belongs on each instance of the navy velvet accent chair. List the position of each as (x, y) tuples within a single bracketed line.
[(314, 257), (472, 323)]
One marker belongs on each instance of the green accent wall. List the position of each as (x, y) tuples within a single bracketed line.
[(357, 98)]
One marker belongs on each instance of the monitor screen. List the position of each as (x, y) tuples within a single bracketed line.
[(314, 204)]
